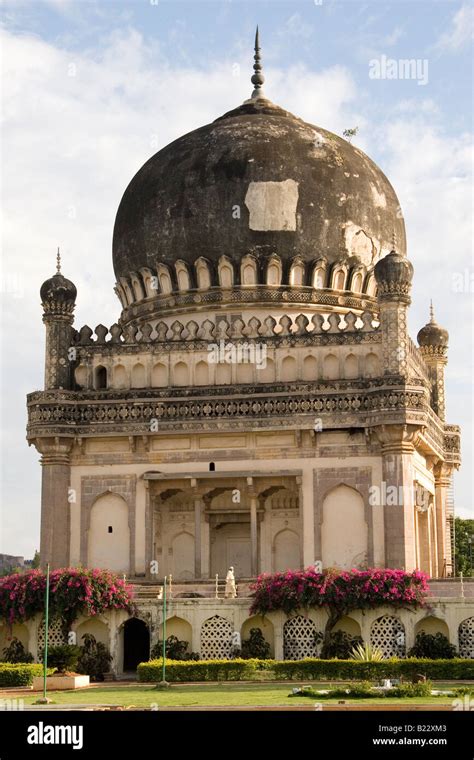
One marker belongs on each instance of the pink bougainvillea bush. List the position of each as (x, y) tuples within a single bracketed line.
[(339, 592), (73, 591)]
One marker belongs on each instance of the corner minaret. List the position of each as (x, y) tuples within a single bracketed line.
[(58, 298), (433, 343), (394, 274)]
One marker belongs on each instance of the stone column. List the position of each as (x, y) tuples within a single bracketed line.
[(55, 506), (253, 527), (398, 496), (442, 475), (198, 510)]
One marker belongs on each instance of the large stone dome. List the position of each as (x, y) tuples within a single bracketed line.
[(258, 181)]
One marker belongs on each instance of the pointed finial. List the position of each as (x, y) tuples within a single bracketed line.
[(432, 317), (257, 79), (58, 262), (394, 242)]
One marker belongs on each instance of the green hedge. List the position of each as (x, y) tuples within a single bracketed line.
[(306, 670), (19, 674), (201, 670)]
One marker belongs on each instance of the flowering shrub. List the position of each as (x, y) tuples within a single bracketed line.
[(341, 592), (338, 592), (73, 591)]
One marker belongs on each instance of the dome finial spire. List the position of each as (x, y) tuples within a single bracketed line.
[(394, 242), (257, 79), (58, 262), (432, 316)]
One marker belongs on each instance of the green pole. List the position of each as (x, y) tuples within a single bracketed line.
[(46, 623), (163, 672)]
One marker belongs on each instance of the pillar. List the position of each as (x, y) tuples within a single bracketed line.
[(55, 506), (198, 510), (398, 495), (442, 475), (253, 528)]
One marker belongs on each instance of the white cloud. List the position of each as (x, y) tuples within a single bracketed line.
[(461, 31)]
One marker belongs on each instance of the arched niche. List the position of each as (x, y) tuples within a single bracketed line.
[(432, 625), (343, 507), (266, 627), (371, 365), (266, 374), (297, 274), (310, 368), (223, 374), (351, 367), (164, 278), (203, 274), (108, 544), (159, 375), (226, 272), (120, 379), (330, 367), (248, 271), (80, 375), (182, 546), (96, 627), (244, 373), (348, 625), (138, 376), (177, 626), (182, 275), (289, 369), (180, 374), (201, 373), (274, 271), (286, 551)]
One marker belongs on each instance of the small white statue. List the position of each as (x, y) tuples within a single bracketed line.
[(230, 589)]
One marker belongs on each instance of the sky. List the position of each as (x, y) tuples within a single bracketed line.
[(90, 90)]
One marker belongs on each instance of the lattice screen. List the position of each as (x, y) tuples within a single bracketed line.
[(466, 638), (216, 639), (299, 639), (55, 634), (387, 633)]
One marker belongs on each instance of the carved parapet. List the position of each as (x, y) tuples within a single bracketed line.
[(341, 404)]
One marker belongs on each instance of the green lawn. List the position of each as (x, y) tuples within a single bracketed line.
[(225, 695)]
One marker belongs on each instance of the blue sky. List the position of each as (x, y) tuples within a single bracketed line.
[(92, 89)]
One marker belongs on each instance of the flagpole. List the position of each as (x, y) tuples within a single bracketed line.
[(46, 625)]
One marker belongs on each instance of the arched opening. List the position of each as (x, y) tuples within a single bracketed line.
[(297, 275), (466, 638), (109, 548), (203, 275), (97, 628), (348, 625), (274, 273), (216, 639), (136, 644), (176, 626), (138, 376), (339, 280), (299, 638), (432, 625), (357, 283), (319, 278), (387, 633), (344, 549), (212, 467), (100, 378), (266, 627), (182, 275), (286, 551)]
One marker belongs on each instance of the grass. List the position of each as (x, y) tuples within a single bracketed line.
[(209, 695)]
